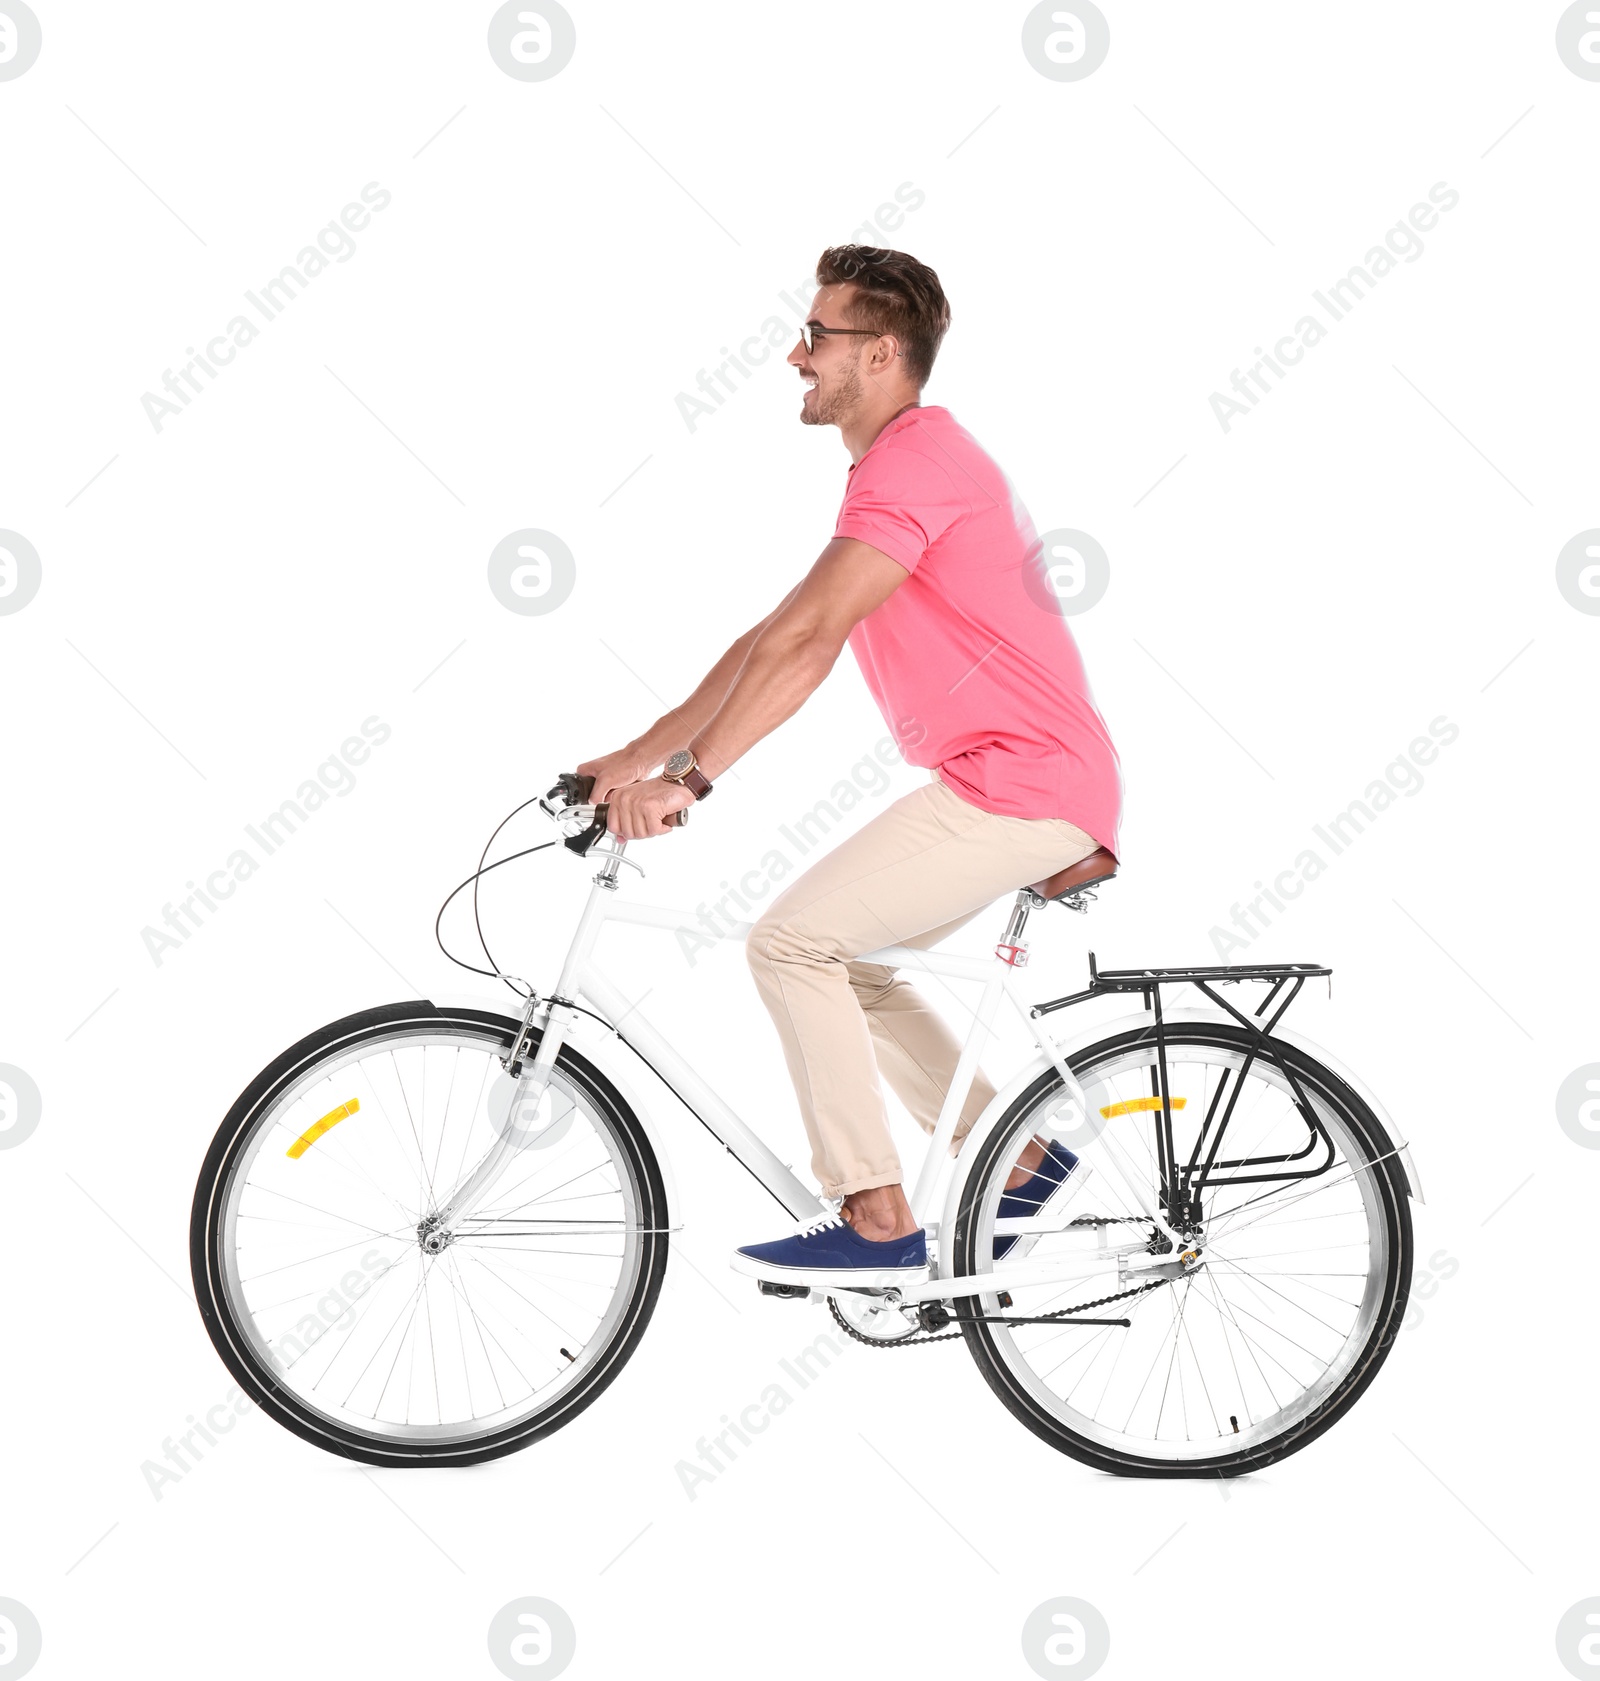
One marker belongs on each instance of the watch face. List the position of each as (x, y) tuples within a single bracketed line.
[(680, 764)]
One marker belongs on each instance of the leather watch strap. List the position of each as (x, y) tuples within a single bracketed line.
[(696, 783)]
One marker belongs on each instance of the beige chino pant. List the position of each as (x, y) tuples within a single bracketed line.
[(913, 875)]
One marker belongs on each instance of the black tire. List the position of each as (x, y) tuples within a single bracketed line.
[(1390, 1182), (258, 1380)]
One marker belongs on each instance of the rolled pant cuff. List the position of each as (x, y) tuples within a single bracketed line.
[(870, 1183)]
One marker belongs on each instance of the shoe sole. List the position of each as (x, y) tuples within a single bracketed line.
[(844, 1277)]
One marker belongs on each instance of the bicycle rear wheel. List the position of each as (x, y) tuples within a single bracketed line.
[(339, 1310), (1299, 1288)]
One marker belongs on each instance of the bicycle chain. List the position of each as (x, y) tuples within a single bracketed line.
[(946, 1336)]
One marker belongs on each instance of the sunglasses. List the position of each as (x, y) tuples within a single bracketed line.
[(810, 333)]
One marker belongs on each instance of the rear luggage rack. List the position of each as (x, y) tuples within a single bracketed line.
[(1103, 981), (1138, 980), (1183, 1183)]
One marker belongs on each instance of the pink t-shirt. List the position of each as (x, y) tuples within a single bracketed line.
[(975, 671)]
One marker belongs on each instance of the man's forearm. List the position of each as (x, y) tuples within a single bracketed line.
[(762, 680), (678, 727), (773, 683)]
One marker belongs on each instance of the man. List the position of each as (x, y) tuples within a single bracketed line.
[(934, 577)]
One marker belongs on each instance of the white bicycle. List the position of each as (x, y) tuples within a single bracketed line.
[(432, 1235)]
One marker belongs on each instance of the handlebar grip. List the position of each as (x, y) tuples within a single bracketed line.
[(571, 789), (673, 819)]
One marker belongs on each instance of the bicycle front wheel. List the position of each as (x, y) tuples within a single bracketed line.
[(349, 1317), (1281, 1304)]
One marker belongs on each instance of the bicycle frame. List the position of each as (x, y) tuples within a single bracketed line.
[(582, 979)]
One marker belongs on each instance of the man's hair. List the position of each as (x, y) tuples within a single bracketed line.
[(894, 294)]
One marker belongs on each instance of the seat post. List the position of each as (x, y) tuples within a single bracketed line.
[(1013, 949)]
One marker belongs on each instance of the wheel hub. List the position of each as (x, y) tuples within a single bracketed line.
[(434, 1238)]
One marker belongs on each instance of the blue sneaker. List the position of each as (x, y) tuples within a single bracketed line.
[(829, 1251), (1037, 1193)]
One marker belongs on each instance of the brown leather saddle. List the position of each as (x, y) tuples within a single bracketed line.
[(1066, 885)]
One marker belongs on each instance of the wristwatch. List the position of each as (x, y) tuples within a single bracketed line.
[(682, 769)]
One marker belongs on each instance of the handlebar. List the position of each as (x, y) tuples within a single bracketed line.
[(572, 794)]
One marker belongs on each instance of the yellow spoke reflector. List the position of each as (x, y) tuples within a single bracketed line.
[(313, 1132), (1134, 1106)]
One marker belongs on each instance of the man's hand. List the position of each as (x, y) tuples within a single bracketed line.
[(612, 771), (640, 809)]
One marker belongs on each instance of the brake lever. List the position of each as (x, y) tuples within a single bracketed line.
[(585, 838), (570, 790), (597, 814)]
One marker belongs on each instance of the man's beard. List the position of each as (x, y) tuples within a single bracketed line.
[(840, 402)]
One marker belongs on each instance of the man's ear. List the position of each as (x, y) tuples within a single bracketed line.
[(885, 352)]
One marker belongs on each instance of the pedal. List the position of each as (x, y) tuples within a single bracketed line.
[(789, 1292)]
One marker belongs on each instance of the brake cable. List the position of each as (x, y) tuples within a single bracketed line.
[(494, 973)]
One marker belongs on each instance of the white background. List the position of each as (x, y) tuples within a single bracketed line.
[(1289, 606)]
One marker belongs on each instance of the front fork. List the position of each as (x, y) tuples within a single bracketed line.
[(512, 1140)]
